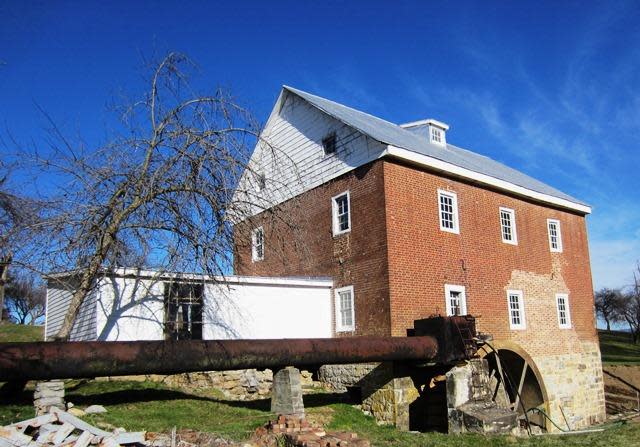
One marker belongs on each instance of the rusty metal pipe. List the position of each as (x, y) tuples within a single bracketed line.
[(68, 360)]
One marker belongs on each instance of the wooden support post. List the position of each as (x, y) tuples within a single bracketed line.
[(504, 385), (524, 373)]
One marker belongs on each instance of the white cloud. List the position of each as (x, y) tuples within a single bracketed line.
[(613, 262)]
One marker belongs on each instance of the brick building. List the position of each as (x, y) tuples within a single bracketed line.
[(409, 226)]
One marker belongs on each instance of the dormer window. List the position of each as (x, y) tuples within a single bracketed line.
[(329, 144), (434, 131), (436, 135)]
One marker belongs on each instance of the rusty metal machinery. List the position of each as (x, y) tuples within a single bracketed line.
[(67, 360)]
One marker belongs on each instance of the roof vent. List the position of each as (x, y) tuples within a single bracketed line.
[(433, 130)]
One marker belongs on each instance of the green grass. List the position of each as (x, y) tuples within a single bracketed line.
[(20, 332), (345, 417), (618, 348), (152, 406)]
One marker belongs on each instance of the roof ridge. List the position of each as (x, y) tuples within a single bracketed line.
[(393, 135)]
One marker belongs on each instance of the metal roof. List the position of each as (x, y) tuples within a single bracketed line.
[(394, 135)]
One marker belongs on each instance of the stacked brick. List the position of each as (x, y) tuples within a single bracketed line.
[(299, 432)]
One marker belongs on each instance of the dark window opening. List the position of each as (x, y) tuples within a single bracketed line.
[(183, 311), (329, 144), (261, 182)]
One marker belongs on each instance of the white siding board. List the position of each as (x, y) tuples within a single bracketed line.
[(297, 131), (59, 296), (130, 309), (126, 308)]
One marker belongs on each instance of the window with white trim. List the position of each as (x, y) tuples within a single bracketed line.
[(448, 209), (555, 236), (257, 244), (562, 305), (456, 300), (341, 209), (515, 302), (345, 309), (436, 135), (508, 226)]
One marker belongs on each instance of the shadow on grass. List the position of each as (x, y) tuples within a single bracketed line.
[(130, 396), (618, 347)]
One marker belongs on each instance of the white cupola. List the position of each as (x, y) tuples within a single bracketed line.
[(435, 131)]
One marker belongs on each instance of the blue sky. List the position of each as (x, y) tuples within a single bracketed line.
[(551, 89)]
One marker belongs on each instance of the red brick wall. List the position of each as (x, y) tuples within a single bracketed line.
[(398, 259), (422, 259), (357, 258)]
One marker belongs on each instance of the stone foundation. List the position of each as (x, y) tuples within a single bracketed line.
[(48, 394), (574, 386), (243, 384)]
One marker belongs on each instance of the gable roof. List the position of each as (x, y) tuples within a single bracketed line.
[(399, 138)]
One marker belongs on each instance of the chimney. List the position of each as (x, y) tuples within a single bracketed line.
[(434, 131)]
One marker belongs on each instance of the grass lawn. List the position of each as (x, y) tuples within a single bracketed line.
[(151, 406), (618, 348), (19, 332), (154, 407)]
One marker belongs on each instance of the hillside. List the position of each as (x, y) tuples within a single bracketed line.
[(17, 332), (618, 348)]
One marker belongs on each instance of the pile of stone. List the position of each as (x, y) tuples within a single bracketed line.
[(298, 432), (59, 428)]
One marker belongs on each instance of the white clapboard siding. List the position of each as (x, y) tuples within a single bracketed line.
[(293, 160), (262, 310), (130, 306), (58, 297)]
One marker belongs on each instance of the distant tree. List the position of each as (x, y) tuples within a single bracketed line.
[(17, 214), (630, 308), (162, 194), (25, 299), (608, 304)]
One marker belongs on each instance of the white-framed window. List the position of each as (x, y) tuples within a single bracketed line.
[(456, 300), (345, 309), (515, 301), (562, 305), (448, 209), (257, 244), (508, 226), (436, 135), (555, 236), (341, 210)]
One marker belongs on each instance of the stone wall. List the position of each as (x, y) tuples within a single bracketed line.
[(244, 384), (574, 385)]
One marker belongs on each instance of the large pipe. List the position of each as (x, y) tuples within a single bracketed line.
[(68, 360)]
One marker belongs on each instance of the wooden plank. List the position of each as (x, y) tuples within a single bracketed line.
[(109, 442), (14, 436), (520, 385), (35, 422), (504, 384), (84, 439), (79, 423), (70, 440), (65, 430), (134, 437)]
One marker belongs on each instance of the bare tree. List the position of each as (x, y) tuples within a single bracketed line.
[(163, 195), (25, 299), (17, 214), (608, 303), (630, 308)]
